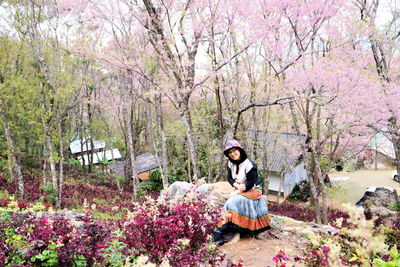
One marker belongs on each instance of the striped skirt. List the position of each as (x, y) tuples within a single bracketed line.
[(246, 212)]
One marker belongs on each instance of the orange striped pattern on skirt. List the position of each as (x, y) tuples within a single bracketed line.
[(247, 211)]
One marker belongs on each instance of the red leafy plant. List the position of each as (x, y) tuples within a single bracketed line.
[(306, 214), (280, 259), (179, 233)]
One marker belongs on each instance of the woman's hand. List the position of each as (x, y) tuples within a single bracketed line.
[(240, 187)]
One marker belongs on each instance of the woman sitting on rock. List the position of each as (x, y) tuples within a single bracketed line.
[(246, 211)]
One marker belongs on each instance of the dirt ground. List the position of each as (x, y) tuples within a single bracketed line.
[(349, 187), (259, 252)]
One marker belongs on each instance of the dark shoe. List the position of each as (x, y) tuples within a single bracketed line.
[(229, 236), (257, 236), (219, 242)]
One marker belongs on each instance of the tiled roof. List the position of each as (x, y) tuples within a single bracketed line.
[(75, 145), (144, 162), (100, 156), (383, 145), (283, 149)]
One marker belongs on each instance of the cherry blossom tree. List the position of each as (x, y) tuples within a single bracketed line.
[(382, 36)]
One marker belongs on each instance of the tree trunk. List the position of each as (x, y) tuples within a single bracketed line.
[(187, 121), (164, 151), (307, 163), (80, 132), (189, 171), (48, 138), (91, 149), (131, 151), (264, 160), (322, 188), (60, 161), (395, 138), (112, 153), (219, 114), (14, 164), (45, 180)]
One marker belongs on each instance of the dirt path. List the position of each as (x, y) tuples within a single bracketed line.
[(259, 253), (352, 185)]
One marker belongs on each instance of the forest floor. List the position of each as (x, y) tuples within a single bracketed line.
[(348, 188)]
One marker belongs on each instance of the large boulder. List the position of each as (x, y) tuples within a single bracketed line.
[(380, 202), (215, 194), (220, 193)]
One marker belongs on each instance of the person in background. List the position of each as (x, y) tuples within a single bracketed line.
[(246, 211)]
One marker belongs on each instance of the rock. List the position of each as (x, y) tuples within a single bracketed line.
[(380, 202), (287, 224), (215, 194), (177, 190), (73, 217), (220, 193)]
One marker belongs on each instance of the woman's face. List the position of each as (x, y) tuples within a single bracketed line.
[(234, 154)]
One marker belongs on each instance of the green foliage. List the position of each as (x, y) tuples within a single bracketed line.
[(3, 164), (326, 164), (154, 183), (74, 162), (301, 191), (394, 260), (106, 215), (350, 165), (4, 194), (392, 237), (177, 173), (29, 162), (396, 207), (47, 257), (113, 253), (15, 242), (51, 193), (205, 120), (358, 243), (80, 261)]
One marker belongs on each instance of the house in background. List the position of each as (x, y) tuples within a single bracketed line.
[(81, 150), (145, 163), (380, 154), (284, 165)]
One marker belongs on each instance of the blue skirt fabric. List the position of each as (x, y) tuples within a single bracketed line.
[(245, 213)]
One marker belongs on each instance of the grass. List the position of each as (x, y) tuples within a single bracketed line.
[(352, 189)]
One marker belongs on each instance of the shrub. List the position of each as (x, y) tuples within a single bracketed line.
[(175, 233), (179, 233), (305, 214), (301, 191), (357, 244)]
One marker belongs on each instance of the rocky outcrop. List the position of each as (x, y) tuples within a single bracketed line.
[(215, 194), (73, 217), (381, 202)]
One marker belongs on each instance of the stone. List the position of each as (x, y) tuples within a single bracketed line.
[(74, 218), (177, 190), (220, 193), (380, 202), (215, 194)]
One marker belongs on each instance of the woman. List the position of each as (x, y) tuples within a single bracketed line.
[(246, 211)]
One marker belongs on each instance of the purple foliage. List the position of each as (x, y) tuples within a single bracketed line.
[(305, 214), (159, 231), (156, 231)]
